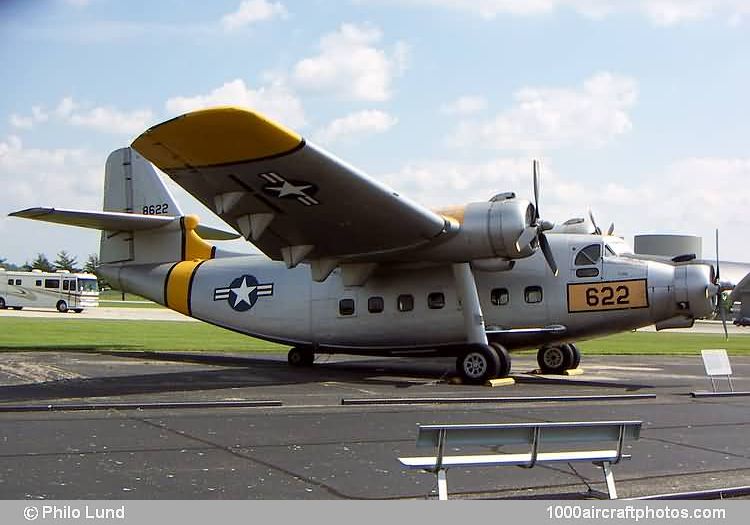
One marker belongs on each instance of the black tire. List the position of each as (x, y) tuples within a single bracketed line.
[(2, 303), (478, 364), (300, 356), (62, 307), (576, 362), (554, 359), (504, 359), (18, 307), (78, 310)]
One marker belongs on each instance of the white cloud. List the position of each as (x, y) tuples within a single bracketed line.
[(70, 178), (275, 100), (100, 118), (20, 122), (65, 107), (552, 117), (692, 196), (31, 176), (28, 122), (442, 183), (111, 120), (359, 123), (465, 105), (253, 11), (350, 65), (659, 12)]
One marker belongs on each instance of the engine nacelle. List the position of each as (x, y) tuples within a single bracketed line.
[(486, 230)]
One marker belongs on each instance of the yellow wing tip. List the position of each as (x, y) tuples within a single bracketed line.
[(217, 135)]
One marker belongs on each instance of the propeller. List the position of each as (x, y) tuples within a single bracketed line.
[(719, 289), (536, 229), (597, 230)]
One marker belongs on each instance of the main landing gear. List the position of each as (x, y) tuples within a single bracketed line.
[(479, 363), (301, 356), (557, 359), (480, 360)]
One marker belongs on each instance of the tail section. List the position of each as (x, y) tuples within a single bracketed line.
[(131, 185)]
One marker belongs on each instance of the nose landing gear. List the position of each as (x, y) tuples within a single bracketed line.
[(557, 359)]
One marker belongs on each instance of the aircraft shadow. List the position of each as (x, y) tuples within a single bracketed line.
[(235, 372), (252, 372)]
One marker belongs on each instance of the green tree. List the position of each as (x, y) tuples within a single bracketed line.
[(91, 263), (41, 263), (65, 261)]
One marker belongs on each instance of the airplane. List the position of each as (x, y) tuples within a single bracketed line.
[(350, 266)]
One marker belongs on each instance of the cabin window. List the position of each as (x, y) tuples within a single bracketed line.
[(533, 294), (375, 305), (405, 303), (436, 300), (65, 285), (10, 281), (38, 282), (500, 296), (589, 255), (587, 272), (52, 283), (18, 282), (346, 307)]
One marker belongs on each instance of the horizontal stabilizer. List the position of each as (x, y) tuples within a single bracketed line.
[(115, 221)]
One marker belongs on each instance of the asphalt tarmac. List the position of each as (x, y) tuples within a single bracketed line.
[(315, 447)]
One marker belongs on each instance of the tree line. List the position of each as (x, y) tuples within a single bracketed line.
[(63, 261)]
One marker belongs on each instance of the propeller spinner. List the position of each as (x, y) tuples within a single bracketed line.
[(536, 229)]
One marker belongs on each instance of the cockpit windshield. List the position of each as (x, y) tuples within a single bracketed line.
[(589, 255), (87, 285)]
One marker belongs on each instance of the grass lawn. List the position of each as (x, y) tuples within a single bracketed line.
[(93, 334), (114, 298)]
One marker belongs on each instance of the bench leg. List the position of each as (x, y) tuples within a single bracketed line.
[(442, 482), (610, 479)]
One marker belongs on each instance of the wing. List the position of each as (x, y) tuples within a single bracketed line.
[(293, 200)]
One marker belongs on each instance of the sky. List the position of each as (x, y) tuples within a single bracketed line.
[(636, 109)]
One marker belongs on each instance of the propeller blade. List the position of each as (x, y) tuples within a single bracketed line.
[(611, 229), (536, 190), (547, 251), (593, 221), (526, 237), (723, 312), (717, 257)]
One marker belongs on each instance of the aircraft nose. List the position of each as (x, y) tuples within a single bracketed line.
[(695, 290)]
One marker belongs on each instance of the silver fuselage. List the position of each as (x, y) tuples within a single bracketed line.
[(293, 309)]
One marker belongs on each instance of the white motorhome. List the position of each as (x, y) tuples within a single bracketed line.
[(62, 290)]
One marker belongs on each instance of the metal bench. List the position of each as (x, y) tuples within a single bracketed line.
[(547, 442)]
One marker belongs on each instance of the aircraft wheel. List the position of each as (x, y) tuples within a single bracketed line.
[(301, 356), (62, 307), (554, 359), (78, 310), (504, 358), (576, 353), (2, 303), (478, 363), (18, 307)]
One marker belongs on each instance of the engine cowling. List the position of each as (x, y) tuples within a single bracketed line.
[(487, 230)]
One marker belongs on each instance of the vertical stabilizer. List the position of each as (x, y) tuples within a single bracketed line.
[(132, 185)]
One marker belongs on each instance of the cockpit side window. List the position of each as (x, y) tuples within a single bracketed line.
[(589, 255)]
